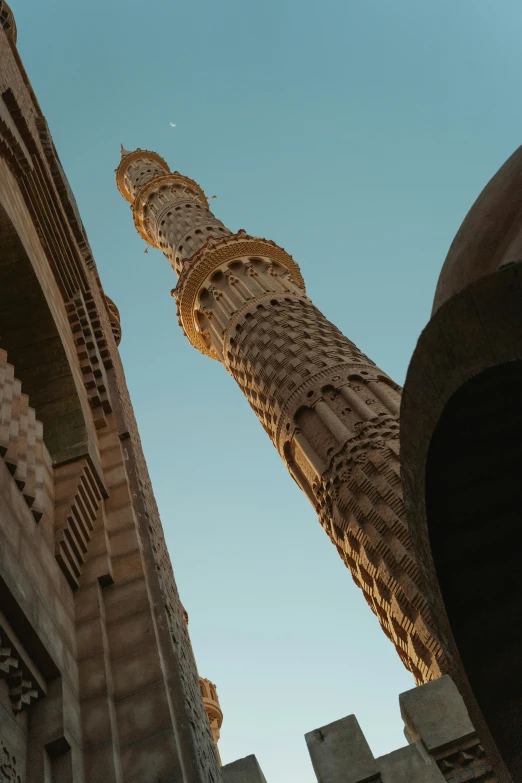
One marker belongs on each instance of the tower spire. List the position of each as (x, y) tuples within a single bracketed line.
[(330, 412)]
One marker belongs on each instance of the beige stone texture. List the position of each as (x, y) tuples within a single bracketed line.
[(443, 744), (97, 677)]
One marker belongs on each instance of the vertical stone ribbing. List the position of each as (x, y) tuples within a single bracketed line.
[(330, 412)]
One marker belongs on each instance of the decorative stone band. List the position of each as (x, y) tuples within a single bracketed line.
[(307, 391), (209, 258), (303, 396), (132, 157), (78, 497), (240, 315), (151, 188), (93, 354), (9, 767)]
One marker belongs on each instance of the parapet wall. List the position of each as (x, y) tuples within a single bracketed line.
[(443, 744)]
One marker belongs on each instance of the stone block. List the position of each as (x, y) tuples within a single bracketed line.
[(152, 758), (110, 452), (120, 518), (96, 721), (90, 639), (136, 671), (340, 753), (143, 714), (127, 567), (134, 631), (119, 496), (101, 763), (409, 765), (115, 475), (245, 770), (86, 603), (121, 600), (124, 542), (96, 546), (97, 568), (435, 713), (93, 677), (71, 712)]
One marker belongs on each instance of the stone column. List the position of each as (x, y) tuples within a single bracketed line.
[(330, 412)]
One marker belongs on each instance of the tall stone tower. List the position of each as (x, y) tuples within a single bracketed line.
[(329, 411), (213, 710)]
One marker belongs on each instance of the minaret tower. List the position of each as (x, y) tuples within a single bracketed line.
[(330, 412), (213, 710)]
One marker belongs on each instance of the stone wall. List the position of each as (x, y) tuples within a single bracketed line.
[(443, 744), (98, 681)]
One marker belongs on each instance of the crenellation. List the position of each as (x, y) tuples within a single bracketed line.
[(443, 745)]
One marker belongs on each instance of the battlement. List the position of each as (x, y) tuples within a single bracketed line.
[(443, 744)]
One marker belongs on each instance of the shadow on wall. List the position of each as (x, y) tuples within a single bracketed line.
[(474, 516), (30, 336)]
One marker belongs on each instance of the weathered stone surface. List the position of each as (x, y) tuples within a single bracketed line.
[(436, 714), (409, 765), (340, 753), (245, 770), (443, 744)]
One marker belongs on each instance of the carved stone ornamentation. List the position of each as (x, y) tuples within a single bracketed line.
[(21, 441), (25, 687), (9, 772), (330, 412), (93, 354)]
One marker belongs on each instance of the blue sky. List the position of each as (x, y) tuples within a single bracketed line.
[(354, 133)]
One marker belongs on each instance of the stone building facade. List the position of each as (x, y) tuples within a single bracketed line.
[(330, 412), (98, 682)]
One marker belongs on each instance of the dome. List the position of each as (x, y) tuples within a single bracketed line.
[(7, 21)]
